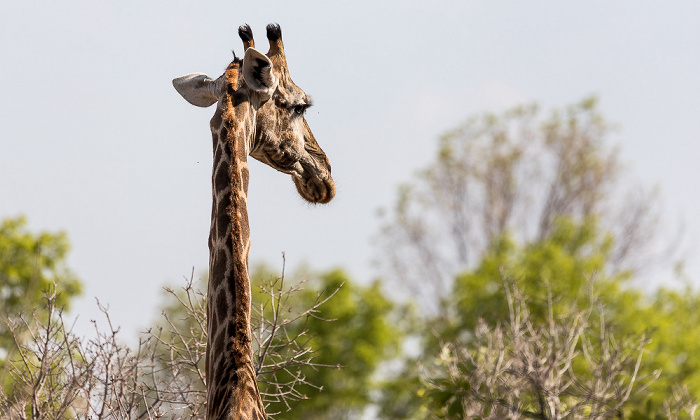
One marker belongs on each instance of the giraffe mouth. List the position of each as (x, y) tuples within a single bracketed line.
[(315, 189)]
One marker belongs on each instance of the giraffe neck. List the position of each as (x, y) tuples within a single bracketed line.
[(232, 391)]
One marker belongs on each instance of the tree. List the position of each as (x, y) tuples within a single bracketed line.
[(563, 367), (516, 173), (563, 283), (359, 338), (324, 360), (29, 264), (314, 359), (541, 201)]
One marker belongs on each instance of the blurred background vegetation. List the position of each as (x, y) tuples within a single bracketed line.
[(524, 232)]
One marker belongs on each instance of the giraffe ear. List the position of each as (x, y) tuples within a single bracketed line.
[(197, 88), (257, 72)]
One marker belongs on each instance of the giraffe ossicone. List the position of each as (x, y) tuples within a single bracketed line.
[(259, 112)]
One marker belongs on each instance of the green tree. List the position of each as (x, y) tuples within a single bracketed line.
[(29, 264), (513, 174), (541, 201), (557, 276), (565, 264), (673, 318), (355, 331), (565, 366)]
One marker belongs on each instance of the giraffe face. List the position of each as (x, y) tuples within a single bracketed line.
[(285, 142), (282, 139)]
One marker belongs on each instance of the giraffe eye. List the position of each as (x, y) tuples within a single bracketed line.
[(299, 109)]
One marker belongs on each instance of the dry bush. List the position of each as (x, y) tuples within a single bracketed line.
[(571, 367), (56, 375), (681, 405), (283, 349)]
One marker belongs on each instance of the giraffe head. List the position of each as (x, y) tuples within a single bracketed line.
[(281, 136)]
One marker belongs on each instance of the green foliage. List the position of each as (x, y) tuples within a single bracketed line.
[(29, 264), (558, 275), (524, 367), (353, 332), (673, 317), (539, 199), (511, 175), (349, 337), (562, 264)]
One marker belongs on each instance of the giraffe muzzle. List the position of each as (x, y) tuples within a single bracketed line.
[(315, 189)]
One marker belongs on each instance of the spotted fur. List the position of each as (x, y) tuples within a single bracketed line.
[(270, 126)]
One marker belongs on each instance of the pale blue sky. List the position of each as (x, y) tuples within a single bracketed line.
[(94, 140)]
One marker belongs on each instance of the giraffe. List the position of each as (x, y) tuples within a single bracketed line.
[(259, 112)]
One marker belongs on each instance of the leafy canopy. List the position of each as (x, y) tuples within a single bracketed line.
[(354, 332), (540, 200), (29, 264)]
